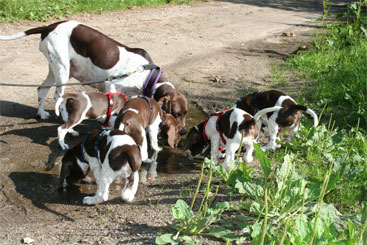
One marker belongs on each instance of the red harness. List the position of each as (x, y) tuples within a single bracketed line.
[(220, 114), (110, 106)]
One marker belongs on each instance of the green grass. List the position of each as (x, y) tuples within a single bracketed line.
[(43, 10), (338, 81)]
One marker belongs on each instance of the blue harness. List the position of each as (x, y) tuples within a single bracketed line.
[(99, 137), (254, 102), (150, 106)]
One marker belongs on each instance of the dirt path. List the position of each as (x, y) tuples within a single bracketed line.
[(212, 51)]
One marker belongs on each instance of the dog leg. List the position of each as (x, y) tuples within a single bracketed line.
[(144, 149), (153, 131), (105, 178), (61, 133), (131, 186), (60, 66), (231, 148), (42, 94), (214, 151), (292, 130), (273, 133)]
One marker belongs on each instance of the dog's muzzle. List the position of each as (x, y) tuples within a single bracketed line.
[(183, 131)]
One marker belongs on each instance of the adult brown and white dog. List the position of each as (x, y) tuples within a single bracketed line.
[(75, 50), (109, 154), (224, 130), (288, 116), (103, 107), (141, 116)]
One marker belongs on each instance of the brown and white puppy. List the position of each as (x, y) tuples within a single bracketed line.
[(75, 50), (143, 115), (89, 105), (109, 154), (231, 125), (287, 117)]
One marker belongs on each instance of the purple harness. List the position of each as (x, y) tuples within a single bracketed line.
[(151, 81)]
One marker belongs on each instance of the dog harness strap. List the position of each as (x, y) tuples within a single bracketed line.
[(150, 106), (110, 106), (219, 115), (254, 102), (109, 109), (151, 81), (99, 137)]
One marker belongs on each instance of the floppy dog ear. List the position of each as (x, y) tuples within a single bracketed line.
[(171, 136), (165, 103), (64, 173)]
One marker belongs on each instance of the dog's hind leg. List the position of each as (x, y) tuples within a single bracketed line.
[(42, 94), (131, 186), (103, 182)]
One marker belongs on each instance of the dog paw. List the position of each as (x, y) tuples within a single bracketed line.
[(128, 196), (249, 159), (43, 114), (74, 133), (64, 146), (89, 200), (148, 161)]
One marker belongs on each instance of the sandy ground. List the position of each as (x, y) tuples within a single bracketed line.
[(213, 51)]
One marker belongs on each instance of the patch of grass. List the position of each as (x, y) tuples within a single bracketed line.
[(43, 10), (337, 69)]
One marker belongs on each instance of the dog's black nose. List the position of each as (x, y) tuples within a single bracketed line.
[(183, 131)]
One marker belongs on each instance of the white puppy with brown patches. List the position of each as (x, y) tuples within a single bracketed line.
[(109, 154), (288, 117), (102, 107), (225, 130)]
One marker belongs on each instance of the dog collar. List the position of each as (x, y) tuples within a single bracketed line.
[(150, 106), (254, 102), (152, 80), (219, 115), (99, 137), (110, 106)]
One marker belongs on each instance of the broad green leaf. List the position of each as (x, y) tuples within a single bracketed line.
[(264, 160), (187, 240), (351, 229), (249, 188), (182, 212), (223, 233), (166, 239), (301, 226), (256, 230)]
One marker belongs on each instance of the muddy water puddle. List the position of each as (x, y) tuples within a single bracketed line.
[(32, 182)]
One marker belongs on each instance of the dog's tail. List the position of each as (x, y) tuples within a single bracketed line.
[(314, 116), (261, 113), (307, 110), (61, 99), (37, 30)]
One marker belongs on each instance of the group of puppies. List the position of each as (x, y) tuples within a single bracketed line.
[(135, 99)]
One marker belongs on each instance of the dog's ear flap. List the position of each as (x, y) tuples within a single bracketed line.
[(190, 139), (64, 173), (166, 103), (171, 136)]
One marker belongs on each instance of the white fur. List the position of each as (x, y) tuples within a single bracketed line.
[(104, 175)]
